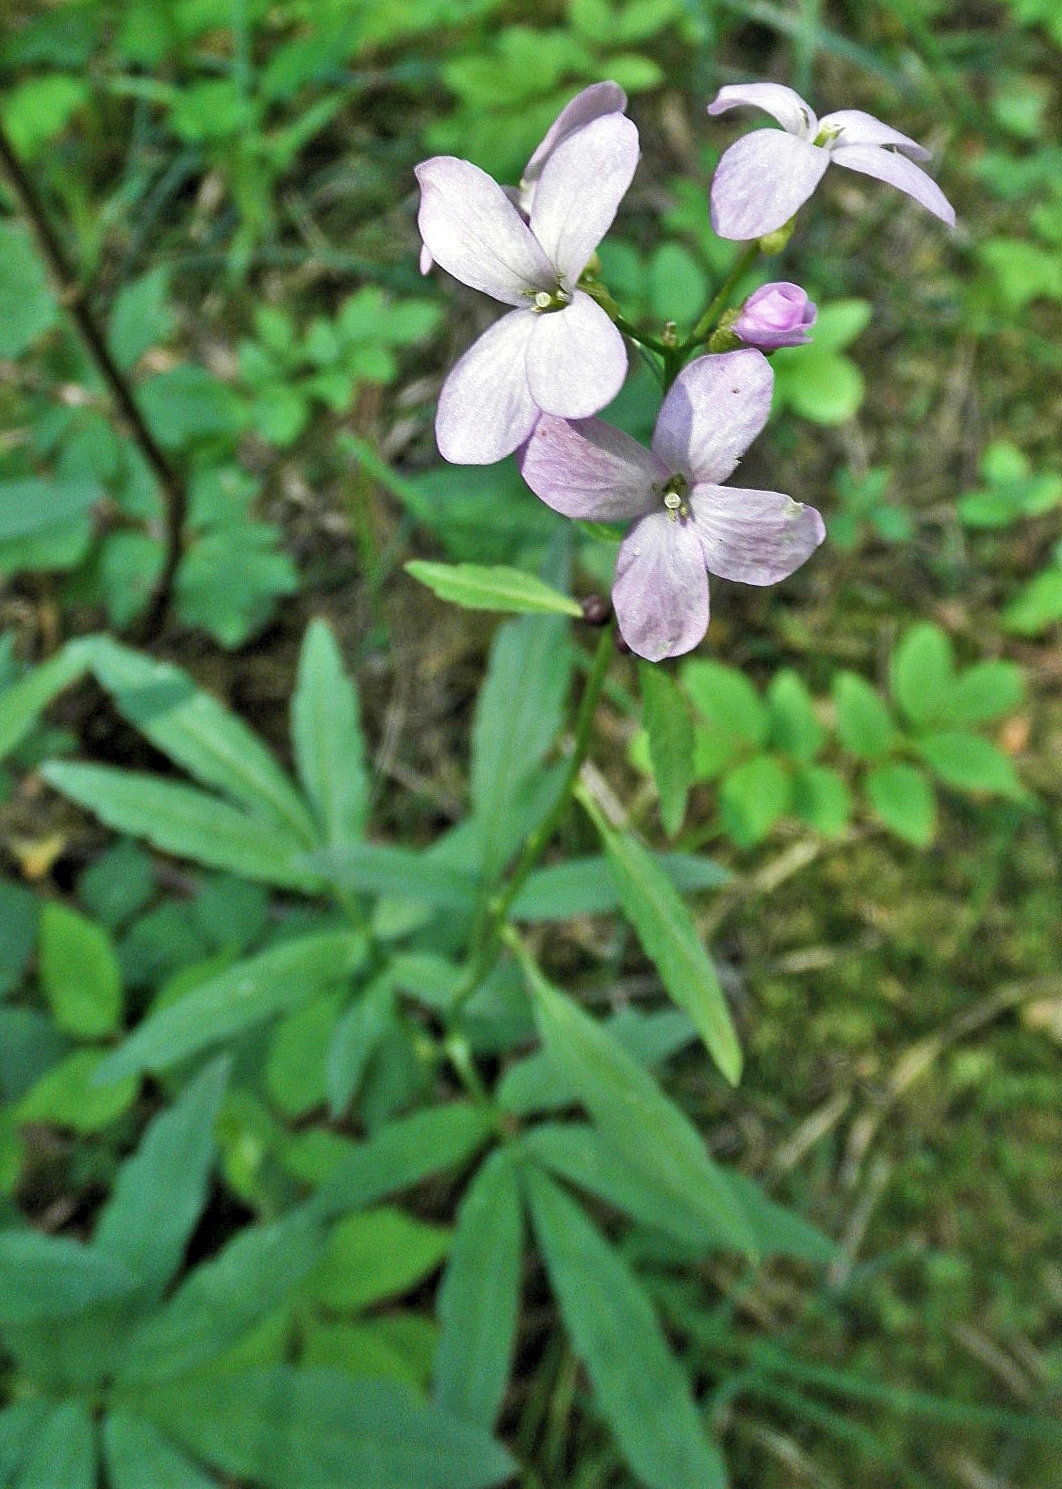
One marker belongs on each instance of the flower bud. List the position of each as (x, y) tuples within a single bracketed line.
[(775, 315)]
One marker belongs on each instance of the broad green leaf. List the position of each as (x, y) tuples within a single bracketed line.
[(494, 587), (79, 973), (52, 1277), (139, 1457), (1036, 606), (204, 737), (373, 1255), (647, 1130), (969, 763), (19, 1427), (669, 938), (30, 506), (640, 1386), (222, 1300), (983, 692), (401, 1154), (21, 705), (244, 995), (397, 1345), (864, 723), (67, 1095), (141, 317), (822, 799), (731, 707), (519, 714), (160, 1191), (19, 910), (794, 725), (585, 886), (480, 1296), (327, 738), (752, 797), (298, 1047), (818, 384), (904, 800), (27, 306), (30, 1045), (379, 868), (182, 821), (293, 1429), (669, 726), (354, 1041), (922, 674), (63, 1454)]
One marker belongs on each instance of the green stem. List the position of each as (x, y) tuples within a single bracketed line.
[(487, 937), (709, 320)]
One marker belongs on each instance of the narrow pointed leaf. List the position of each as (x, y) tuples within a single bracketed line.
[(327, 738), (160, 1191), (669, 938), (52, 1277), (493, 587), (21, 705), (640, 1386), (244, 995), (63, 1456), (480, 1296), (139, 1456), (668, 723)]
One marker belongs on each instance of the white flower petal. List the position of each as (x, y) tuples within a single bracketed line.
[(755, 537), (471, 228), (585, 468), (581, 186), (715, 409), (576, 360), (898, 171), (792, 113), (761, 181), (857, 128), (660, 593), (485, 407)]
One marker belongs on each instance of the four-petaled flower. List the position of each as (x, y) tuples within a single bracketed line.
[(557, 351), (686, 524), (766, 176), (775, 315)]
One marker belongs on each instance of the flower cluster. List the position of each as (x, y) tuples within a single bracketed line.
[(534, 380)]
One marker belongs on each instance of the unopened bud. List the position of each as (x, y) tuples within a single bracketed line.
[(596, 610)]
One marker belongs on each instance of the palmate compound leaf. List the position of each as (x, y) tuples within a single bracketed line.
[(647, 1130), (327, 738), (160, 1191), (286, 1428), (480, 1296), (669, 938), (246, 994), (640, 1386)]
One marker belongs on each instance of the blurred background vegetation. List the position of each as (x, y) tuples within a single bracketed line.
[(229, 184)]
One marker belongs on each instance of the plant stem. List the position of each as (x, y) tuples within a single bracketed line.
[(487, 939), (74, 299), (707, 323)]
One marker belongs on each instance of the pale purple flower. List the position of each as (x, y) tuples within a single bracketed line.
[(775, 315), (686, 524), (766, 176), (557, 351), (590, 104)]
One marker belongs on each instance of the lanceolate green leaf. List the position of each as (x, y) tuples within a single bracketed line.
[(139, 1457), (161, 1190), (327, 738), (647, 1130), (182, 821), (19, 1427), (63, 1454), (639, 1384), (480, 1296), (668, 723), (401, 1154), (293, 1429), (197, 732), (585, 886), (482, 587), (669, 938), (222, 1299), (245, 994), (380, 869), (52, 1277), (20, 705)]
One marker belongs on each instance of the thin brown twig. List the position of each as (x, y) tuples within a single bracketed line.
[(72, 296)]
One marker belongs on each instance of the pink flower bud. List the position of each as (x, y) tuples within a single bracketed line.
[(775, 315)]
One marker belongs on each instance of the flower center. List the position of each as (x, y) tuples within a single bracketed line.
[(674, 494), (826, 137), (544, 302)]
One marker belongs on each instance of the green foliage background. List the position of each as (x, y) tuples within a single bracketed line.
[(281, 1206)]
